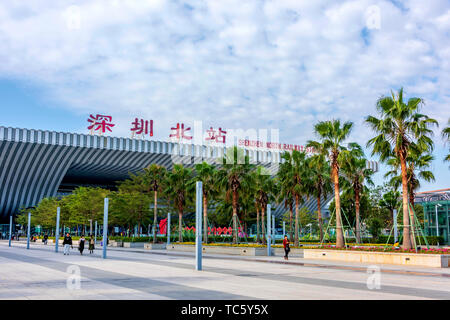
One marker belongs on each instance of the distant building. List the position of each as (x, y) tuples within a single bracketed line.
[(436, 207)]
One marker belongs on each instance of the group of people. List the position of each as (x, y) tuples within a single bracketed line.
[(67, 243)]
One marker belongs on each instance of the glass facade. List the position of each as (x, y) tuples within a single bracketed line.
[(437, 222)]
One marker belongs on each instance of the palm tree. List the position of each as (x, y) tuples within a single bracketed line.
[(234, 177), (332, 134), (153, 179), (207, 174), (286, 185), (401, 128), (265, 190), (446, 136), (319, 183), (178, 186), (295, 169), (355, 171), (415, 161)]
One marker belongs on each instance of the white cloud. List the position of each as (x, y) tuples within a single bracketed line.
[(230, 62)]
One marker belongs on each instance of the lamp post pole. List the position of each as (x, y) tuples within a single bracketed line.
[(95, 236), (168, 228), (198, 226), (437, 219), (273, 229), (10, 229), (269, 237), (105, 227), (58, 213), (395, 227), (284, 228), (29, 230)]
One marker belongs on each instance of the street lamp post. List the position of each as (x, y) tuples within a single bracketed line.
[(95, 236), (269, 236), (10, 230), (437, 219), (105, 227), (58, 217), (168, 228), (29, 230), (395, 226), (198, 226)]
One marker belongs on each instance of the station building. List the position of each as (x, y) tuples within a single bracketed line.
[(35, 164)]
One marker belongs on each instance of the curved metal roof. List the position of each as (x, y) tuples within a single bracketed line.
[(34, 163)]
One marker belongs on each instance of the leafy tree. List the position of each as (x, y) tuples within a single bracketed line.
[(130, 208), (84, 204), (401, 128), (332, 135)]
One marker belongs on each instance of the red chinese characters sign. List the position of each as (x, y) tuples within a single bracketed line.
[(100, 123), (179, 132), (216, 136), (142, 127)]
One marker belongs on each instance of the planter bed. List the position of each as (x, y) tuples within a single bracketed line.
[(238, 251), (155, 246), (133, 244), (407, 259)]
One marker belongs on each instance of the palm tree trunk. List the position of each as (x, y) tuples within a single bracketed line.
[(319, 218), (291, 219), (339, 232), (257, 226), (406, 229), (180, 226), (296, 222), (205, 219), (263, 227), (235, 217), (358, 235), (155, 216)]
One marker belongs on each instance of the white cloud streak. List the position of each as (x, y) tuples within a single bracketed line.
[(249, 64)]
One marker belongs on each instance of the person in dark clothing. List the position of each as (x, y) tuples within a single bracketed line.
[(81, 244), (45, 238), (286, 247), (67, 243), (91, 245)]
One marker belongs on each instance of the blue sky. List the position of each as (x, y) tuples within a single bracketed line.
[(274, 64)]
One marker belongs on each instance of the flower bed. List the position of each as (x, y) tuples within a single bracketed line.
[(406, 258), (384, 249)]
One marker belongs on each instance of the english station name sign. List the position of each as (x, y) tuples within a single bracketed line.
[(142, 128)]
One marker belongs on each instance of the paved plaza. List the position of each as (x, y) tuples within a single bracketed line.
[(40, 273)]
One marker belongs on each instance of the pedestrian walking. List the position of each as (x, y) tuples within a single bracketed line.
[(45, 238), (67, 243), (91, 245), (286, 247), (81, 244)]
